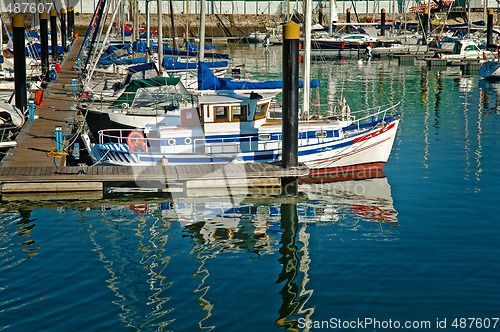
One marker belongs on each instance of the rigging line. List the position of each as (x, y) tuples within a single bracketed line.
[(91, 25), (98, 22)]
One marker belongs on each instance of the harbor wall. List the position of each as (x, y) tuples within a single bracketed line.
[(238, 25)]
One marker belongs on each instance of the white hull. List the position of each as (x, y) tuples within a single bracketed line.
[(490, 70)]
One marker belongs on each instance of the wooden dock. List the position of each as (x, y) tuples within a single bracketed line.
[(36, 138), (198, 180), (30, 172)]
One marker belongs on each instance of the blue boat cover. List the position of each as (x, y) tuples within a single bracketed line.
[(193, 48), (208, 81), (38, 50), (170, 64)]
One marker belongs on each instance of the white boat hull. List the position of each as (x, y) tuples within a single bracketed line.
[(365, 149), (490, 70)]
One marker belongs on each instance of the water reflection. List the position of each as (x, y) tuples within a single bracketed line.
[(355, 209)]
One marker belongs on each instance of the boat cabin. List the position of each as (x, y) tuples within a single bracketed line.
[(232, 111)]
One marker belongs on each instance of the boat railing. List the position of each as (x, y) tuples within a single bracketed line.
[(6, 138), (204, 145), (374, 116)]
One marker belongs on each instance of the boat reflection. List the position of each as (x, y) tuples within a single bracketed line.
[(167, 264), (362, 208)]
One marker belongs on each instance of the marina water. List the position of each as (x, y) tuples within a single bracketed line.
[(419, 245)]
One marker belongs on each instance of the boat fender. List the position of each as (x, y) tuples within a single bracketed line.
[(136, 142), (53, 74), (139, 208)]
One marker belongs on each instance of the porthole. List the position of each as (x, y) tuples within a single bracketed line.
[(187, 140), (321, 133), (171, 141)]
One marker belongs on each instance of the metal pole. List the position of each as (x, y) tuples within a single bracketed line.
[(19, 62), (160, 37), (202, 30), (307, 60), (63, 29), (53, 33), (44, 44), (147, 24), (1, 43), (489, 29), (71, 22), (425, 25), (290, 121), (382, 22), (174, 33)]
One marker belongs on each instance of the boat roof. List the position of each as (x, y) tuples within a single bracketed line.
[(231, 98), (130, 91)]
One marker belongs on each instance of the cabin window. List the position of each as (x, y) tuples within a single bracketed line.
[(321, 133), (336, 133), (264, 137), (471, 48), (260, 111), (221, 113), (239, 113)]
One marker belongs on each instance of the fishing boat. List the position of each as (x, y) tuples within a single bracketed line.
[(238, 128), (142, 102), (229, 127)]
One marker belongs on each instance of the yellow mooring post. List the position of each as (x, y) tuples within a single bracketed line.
[(290, 118), (19, 62)]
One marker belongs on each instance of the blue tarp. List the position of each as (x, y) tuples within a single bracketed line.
[(114, 54), (193, 48), (176, 52), (38, 50), (147, 70), (170, 64), (208, 81)]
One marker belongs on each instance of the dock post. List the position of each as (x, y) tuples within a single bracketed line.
[(382, 22), (53, 33), (290, 118), (44, 45), (31, 111), (489, 30), (63, 29), (348, 18), (19, 62), (425, 25), (59, 139), (71, 22)]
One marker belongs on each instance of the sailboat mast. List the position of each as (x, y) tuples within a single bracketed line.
[(147, 24), (1, 42), (101, 51), (201, 51), (160, 38), (172, 23), (307, 59), (334, 17)]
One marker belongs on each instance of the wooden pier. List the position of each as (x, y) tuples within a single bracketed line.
[(194, 180), (31, 171), (36, 138)]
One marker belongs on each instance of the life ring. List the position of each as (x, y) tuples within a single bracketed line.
[(139, 208), (136, 142)]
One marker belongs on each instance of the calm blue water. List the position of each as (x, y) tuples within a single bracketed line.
[(419, 245)]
